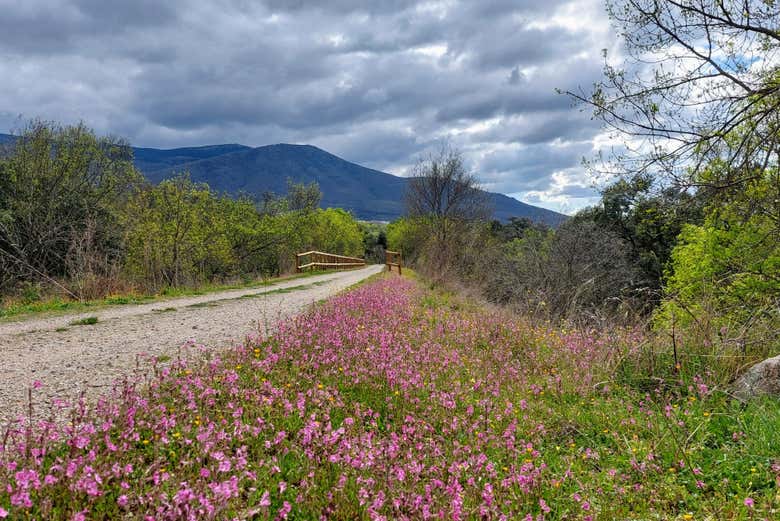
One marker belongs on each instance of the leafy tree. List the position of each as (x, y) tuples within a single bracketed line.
[(407, 235), (335, 230), (700, 83), (649, 219), (63, 191), (303, 197), (177, 234), (515, 228), (725, 276), (374, 241)]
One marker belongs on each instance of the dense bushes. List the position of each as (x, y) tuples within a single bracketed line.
[(699, 268), (76, 215), (723, 284), (62, 194)]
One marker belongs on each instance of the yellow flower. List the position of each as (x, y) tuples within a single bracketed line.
[(319, 386), (687, 516), (706, 414)]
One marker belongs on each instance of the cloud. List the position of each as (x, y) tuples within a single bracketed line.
[(378, 82)]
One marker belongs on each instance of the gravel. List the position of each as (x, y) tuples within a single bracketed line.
[(70, 359)]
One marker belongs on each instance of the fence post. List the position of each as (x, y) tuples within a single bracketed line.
[(297, 264)]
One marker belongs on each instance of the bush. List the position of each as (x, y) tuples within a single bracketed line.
[(63, 192)]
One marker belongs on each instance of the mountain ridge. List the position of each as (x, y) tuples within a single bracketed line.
[(233, 168)]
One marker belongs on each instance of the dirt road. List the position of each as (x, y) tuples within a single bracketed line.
[(68, 358)]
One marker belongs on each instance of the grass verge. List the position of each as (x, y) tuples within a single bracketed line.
[(57, 305)]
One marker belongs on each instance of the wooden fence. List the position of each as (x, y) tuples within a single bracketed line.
[(321, 260), (393, 258)]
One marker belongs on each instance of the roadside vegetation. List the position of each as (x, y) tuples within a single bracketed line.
[(396, 401), (79, 224), (22, 307)]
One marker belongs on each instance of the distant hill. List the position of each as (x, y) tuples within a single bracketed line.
[(370, 194), (151, 159)]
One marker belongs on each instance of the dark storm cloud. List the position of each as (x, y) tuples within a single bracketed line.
[(378, 82)]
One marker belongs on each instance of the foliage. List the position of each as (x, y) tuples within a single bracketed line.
[(407, 235), (177, 234), (76, 215), (649, 219), (390, 402), (181, 232), (515, 228), (336, 231), (699, 82), (374, 241), (724, 285), (63, 192)]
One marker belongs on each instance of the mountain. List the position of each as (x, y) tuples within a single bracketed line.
[(234, 169), (369, 193), (150, 159)]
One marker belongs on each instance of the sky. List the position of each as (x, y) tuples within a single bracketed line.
[(378, 82)]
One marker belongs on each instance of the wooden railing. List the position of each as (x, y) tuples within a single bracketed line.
[(321, 260), (393, 258)]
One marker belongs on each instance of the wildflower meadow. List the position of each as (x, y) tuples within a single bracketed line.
[(396, 401)]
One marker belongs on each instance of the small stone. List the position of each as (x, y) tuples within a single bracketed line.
[(761, 379)]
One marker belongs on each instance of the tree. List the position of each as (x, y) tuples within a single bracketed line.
[(444, 197), (725, 281), (62, 193), (441, 188), (700, 83), (303, 197), (578, 268), (648, 218), (515, 228), (177, 234), (374, 241)]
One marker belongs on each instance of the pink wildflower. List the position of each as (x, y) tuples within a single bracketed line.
[(265, 501)]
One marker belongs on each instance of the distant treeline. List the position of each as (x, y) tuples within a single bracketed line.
[(77, 217)]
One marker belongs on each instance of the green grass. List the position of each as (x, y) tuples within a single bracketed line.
[(58, 305), (87, 321)]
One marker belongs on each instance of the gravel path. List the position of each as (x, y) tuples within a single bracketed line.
[(70, 359)]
